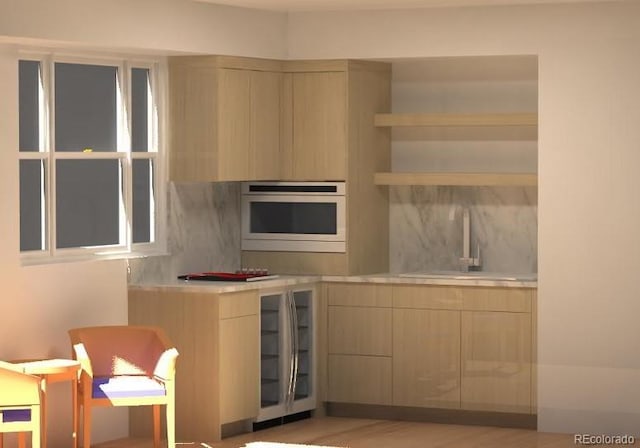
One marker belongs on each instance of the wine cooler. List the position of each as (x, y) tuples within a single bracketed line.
[(287, 353)]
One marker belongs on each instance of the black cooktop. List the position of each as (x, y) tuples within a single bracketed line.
[(226, 276)]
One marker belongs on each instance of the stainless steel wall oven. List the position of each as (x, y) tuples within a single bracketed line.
[(294, 216)]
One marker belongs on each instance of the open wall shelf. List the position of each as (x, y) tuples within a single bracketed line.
[(457, 120), (458, 179)]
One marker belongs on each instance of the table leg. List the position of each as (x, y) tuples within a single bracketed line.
[(74, 400)]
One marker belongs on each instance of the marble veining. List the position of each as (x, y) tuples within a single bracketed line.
[(203, 232), (426, 227)]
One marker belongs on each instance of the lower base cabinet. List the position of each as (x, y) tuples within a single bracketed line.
[(217, 372), (448, 347)]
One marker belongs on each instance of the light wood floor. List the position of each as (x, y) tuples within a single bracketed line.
[(362, 433)]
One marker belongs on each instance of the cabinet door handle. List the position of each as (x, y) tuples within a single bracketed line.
[(296, 346), (289, 398)]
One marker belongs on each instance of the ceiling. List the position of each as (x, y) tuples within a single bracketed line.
[(327, 5)]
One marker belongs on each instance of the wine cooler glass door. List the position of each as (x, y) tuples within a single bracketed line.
[(273, 355), (304, 350)]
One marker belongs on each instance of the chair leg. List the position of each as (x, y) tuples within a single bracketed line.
[(86, 426), (35, 439), (79, 411), (171, 425), (22, 439), (156, 425), (1, 442)]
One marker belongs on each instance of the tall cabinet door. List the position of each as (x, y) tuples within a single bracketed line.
[(319, 134), (266, 103), (426, 358), (234, 123), (496, 361)]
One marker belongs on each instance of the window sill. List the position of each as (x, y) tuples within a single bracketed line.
[(35, 260)]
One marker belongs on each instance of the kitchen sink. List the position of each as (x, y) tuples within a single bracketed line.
[(474, 275)]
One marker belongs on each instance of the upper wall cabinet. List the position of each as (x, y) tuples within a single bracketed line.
[(328, 133), (225, 118), (315, 122)]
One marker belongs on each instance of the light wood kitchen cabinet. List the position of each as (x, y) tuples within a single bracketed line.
[(239, 378), (426, 358), (316, 126), (355, 330), (265, 160), (451, 347), (496, 361), (224, 118), (217, 373), (359, 344), (328, 134), (359, 379), (233, 123)]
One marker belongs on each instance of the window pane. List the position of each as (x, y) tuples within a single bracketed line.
[(85, 110), (29, 105), (87, 203), (32, 181), (140, 113), (143, 201)]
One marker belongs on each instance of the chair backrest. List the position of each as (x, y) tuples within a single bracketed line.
[(121, 350), (18, 389)]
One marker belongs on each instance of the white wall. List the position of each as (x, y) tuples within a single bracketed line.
[(589, 72), (40, 303), (148, 25)]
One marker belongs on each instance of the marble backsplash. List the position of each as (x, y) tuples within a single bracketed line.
[(203, 227), (203, 232), (426, 227)]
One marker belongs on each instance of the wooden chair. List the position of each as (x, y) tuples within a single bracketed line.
[(125, 366), (20, 397)]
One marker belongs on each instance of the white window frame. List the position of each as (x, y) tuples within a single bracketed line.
[(124, 154)]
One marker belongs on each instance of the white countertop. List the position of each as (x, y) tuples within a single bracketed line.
[(292, 280), (452, 281), (222, 287)]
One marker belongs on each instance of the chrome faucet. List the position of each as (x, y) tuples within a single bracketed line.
[(467, 261)]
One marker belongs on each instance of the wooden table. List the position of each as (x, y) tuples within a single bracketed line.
[(53, 371)]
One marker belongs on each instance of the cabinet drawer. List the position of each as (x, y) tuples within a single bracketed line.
[(427, 297), (516, 300), (236, 304), (360, 331), (359, 379), (359, 295)]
